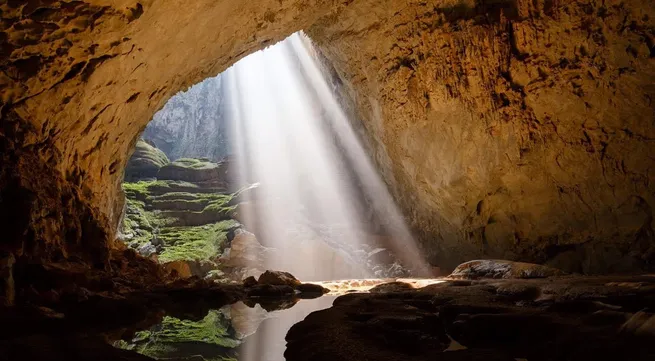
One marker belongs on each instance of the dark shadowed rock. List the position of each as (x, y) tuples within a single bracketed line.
[(391, 287), (278, 278), (586, 319), (249, 282), (503, 269), (310, 288)]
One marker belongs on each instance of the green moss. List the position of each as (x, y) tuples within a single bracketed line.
[(150, 153), (136, 190), (194, 163), (137, 222), (171, 216), (194, 243)]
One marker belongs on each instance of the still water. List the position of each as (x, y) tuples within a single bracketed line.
[(236, 332)]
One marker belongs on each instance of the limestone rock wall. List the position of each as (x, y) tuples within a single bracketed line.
[(515, 129), (193, 123), (522, 129), (81, 79)]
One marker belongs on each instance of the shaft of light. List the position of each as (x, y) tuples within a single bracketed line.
[(285, 120)]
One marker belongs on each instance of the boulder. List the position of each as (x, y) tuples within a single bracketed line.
[(311, 288), (249, 282), (502, 269), (391, 287), (147, 249), (145, 162), (178, 269), (244, 251), (191, 170), (278, 278)]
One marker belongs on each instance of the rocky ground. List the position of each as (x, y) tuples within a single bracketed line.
[(519, 315), (486, 310)]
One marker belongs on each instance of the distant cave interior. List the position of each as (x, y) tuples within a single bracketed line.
[(305, 179)]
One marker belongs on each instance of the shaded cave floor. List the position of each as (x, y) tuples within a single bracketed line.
[(554, 318)]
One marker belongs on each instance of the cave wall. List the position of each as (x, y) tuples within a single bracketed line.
[(511, 129), (518, 129), (81, 79)]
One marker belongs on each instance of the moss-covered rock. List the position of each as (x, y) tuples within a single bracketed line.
[(185, 201), (145, 162), (184, 222), (192, 170), (194, 243)]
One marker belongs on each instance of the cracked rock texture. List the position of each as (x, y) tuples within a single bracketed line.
[(514, 129)]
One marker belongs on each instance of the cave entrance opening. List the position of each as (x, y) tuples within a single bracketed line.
[(260, 168)]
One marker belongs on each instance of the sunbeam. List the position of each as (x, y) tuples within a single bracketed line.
[(291, 134)]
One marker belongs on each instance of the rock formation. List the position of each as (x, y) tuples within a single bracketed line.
[(145, 162), (514, 129), (193, 123), (178, 213)]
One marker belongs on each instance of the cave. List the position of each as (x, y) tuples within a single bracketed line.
[(514, 136)]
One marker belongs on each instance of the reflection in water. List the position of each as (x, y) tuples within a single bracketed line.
[(235, 332), (267, 343)]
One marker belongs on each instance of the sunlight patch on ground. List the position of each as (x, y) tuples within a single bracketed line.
[(339, 287)]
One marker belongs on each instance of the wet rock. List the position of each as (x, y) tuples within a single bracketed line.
[(249, 282), (310, 288), (278, 278), (494, 319), (641, 323), (359, 327), (268, 290), (391, 287), (503, 269)]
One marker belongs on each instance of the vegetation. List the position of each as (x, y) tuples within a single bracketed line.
[(195, 163), (137, 222), (194, 243), (145, 162)]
